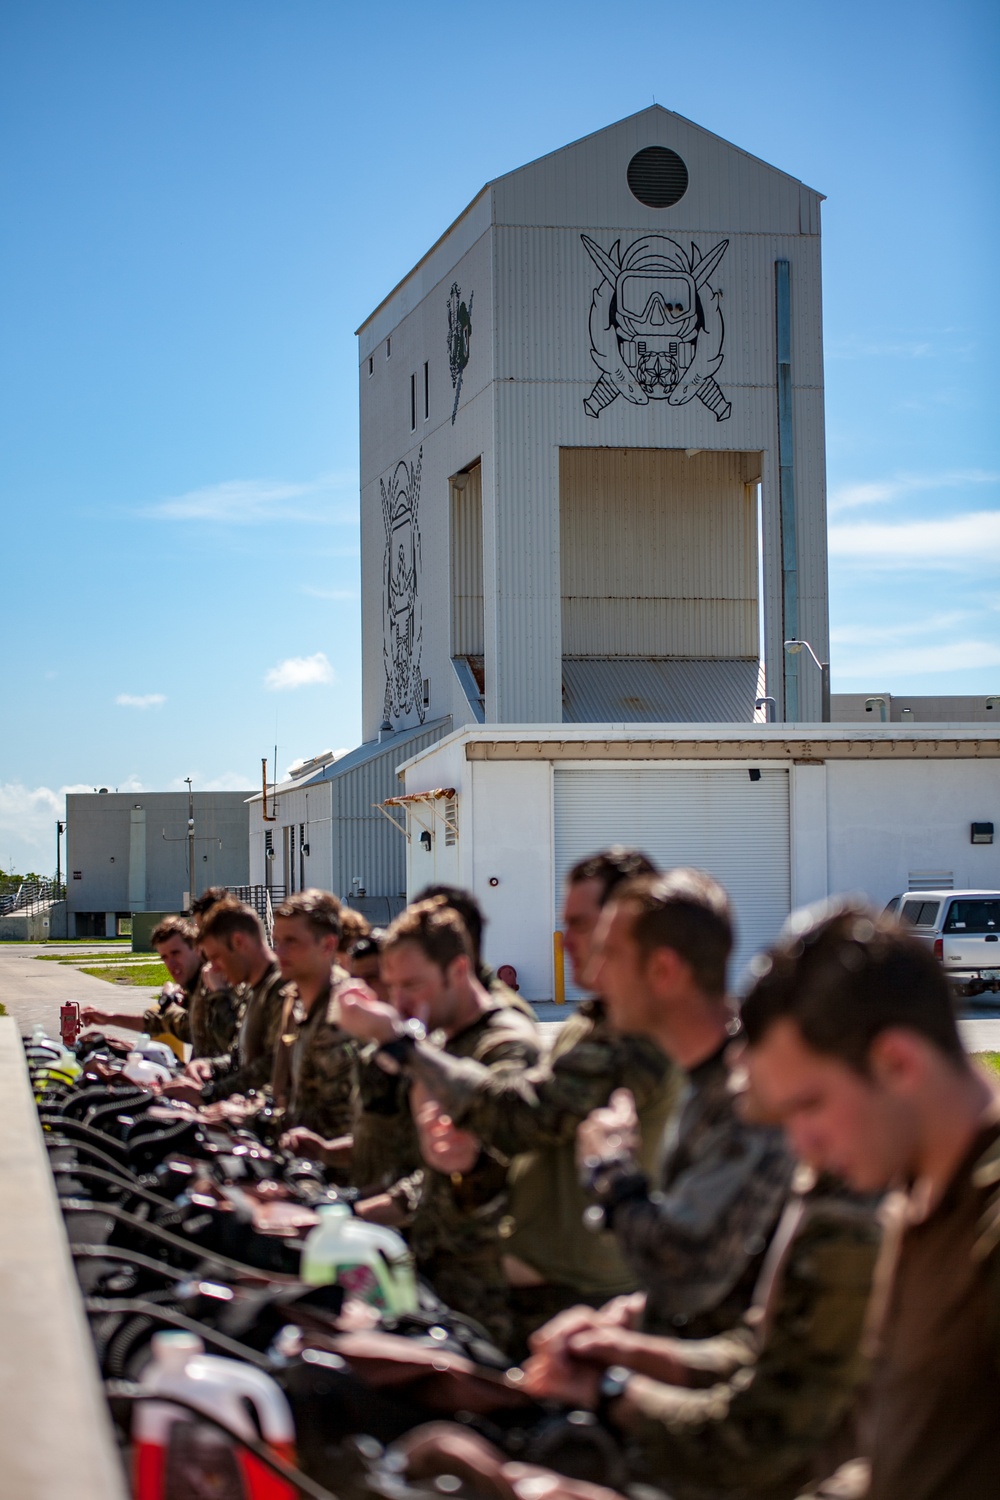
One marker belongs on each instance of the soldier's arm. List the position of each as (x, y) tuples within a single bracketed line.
[(712, 1220), (229, 1078), (518, 1110), (173, 1017)]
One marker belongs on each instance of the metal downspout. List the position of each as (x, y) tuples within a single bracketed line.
[(786, 486)]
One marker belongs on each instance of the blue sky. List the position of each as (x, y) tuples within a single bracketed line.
[(205, 197)]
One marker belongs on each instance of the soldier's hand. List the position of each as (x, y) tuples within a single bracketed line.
[(91, 1016), (609, 1132), (531, 1483), (365, 1016), (184, 1089), (555, 1377), (553, 1337), (212, 979), (199, 1069), (304, 1143), (442, 1145), (625, 1311)]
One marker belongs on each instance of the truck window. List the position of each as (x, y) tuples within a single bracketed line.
[(974, 916), (920, 913)]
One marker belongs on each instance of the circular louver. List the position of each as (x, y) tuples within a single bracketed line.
[(657, 177)]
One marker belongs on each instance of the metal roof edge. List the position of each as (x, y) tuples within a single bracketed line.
[(424, 258)]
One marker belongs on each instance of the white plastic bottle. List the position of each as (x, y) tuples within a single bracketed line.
[(156, 1052), (367, 1260), (138, 1070), (175, 1454)]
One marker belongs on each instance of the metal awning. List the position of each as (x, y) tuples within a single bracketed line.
[(422, 806)]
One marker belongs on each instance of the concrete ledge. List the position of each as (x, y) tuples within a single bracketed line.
[(56, 1438)]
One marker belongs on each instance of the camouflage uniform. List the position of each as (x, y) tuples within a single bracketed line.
[(779, 1386), (533, 1116), (170, 1012), (314, 1064), (246, 1067), (453, 1220), (214, 1016), (697, 1244)]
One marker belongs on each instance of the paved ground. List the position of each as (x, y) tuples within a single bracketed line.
[(33, 991)]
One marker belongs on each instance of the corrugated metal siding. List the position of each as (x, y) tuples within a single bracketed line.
[(658, 553), (714, 820), (365, 843), (635, 691), (467, 618)]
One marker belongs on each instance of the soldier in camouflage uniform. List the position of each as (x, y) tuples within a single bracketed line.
[(696, 1244), (232, 940), (533, 1116), (746, 1415), (195, 1007), (314, 1060), (452, 1206)]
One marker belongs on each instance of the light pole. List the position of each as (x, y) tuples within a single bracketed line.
[(60, 830), (190, 843), (793, 647)]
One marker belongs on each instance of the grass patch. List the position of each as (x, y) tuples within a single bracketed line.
[(3, 1009), (91, 958), (990, 1060), (142, 976)]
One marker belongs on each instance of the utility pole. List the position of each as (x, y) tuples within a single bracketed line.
[(60, 830), (191, 892)]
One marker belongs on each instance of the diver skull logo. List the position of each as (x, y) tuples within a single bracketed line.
[(459, 340), (402, 626), (656, 329)]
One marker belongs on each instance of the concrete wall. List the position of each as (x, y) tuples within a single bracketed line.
[(128, 851)]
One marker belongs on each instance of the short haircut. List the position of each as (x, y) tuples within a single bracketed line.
[(171, 927), (688, 911), (468, 908), (369, 946), (320, 910), (353, 925), (843, 975), (230, 916), (209, 896), (611, 867), (435, 928)]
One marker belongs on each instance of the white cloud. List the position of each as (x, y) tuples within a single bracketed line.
[(28, 825), (251, 502), (927, 627), (141, 700), (299, 671), (875, 492), (229, 781), (944, 656), (962, 540)]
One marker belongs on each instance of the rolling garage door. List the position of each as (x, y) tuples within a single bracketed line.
[(719, 820)]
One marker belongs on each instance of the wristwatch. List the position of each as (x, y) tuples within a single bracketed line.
[(410, 1033), (612, 1385)]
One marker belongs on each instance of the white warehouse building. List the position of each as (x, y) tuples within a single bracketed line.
[(593, 513)]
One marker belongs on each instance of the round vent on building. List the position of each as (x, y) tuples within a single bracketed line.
[(657, 177)]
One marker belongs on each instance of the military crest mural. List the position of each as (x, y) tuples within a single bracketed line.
[(402, 626), (459, 340), (656, 327)]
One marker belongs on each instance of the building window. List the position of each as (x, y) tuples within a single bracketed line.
[(427, 390), (371, 364), (388, 348), (413, 403)]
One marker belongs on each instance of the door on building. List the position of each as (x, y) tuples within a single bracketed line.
[(733, 823), (288, 858)]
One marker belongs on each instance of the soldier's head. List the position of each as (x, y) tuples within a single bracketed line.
[(427, 964), (307, 935), (231, 936), (468, 908), (364, 962), (208, 898), (851, 1035), (661, 950), (353, 926), (176, 941), (589, 885)]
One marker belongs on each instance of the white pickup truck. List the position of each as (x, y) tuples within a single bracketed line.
[(962, 928)]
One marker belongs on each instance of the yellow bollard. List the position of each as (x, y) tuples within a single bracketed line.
[(558, 968)]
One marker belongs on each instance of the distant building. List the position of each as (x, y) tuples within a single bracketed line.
[(128, 852)]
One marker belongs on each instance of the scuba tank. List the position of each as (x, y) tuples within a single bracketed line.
[(175, 1456), (367, 1260), (50, 1062)]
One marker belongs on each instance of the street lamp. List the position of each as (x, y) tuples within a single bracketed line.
[(793, 647), (191, 891)]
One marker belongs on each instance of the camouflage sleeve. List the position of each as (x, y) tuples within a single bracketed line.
[(700, 1234), (229, 1078), (170, 1016), (762, 1427), (323, 1097), (521, 1110)]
